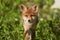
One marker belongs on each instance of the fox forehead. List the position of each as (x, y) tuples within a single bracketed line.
[(29, 12)]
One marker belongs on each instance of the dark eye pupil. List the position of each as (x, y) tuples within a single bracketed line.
[(26, 15), (32, 15)]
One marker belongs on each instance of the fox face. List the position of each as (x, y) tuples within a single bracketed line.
[(29, 15)]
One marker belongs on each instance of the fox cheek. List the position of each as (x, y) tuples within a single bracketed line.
[(33, 18), (25, 19)]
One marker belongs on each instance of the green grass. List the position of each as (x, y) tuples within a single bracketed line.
[(11, 28)]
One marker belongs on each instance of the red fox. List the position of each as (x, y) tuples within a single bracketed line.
[(30, 20)]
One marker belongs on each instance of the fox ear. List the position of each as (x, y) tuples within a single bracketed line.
[(35, 8), (22, 7)]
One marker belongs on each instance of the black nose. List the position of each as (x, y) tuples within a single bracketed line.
[(28, 20)]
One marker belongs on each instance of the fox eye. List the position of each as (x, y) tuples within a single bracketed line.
[(32, 15), (26, 15)]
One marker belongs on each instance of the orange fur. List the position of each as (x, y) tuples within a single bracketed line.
[(30, 20)]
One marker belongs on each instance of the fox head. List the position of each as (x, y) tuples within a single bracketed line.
[(29, 15)]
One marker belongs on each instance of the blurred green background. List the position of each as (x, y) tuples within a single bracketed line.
[(11, 28)]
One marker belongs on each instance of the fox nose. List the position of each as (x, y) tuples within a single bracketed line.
[(28, 20)]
